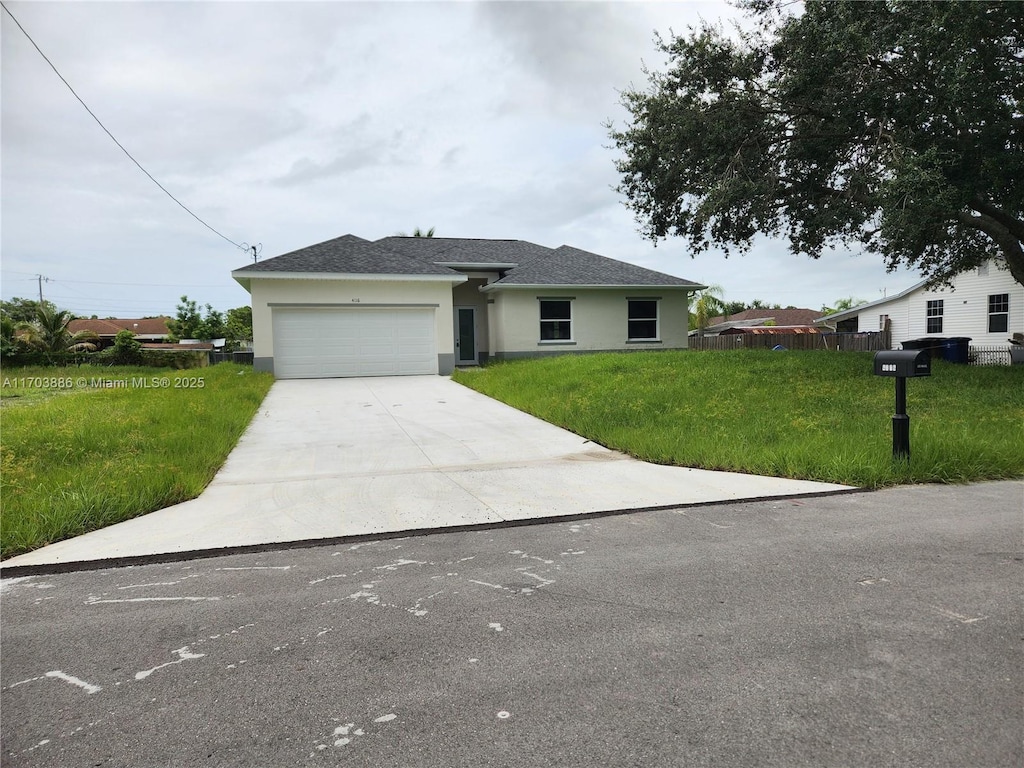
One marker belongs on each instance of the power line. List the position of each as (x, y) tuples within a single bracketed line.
[(144, 285), (101, 125)]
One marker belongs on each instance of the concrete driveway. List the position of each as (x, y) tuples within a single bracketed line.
[(331, 458)]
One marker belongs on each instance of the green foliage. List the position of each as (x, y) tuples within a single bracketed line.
[(24, 310), (86, 458), (190, 323), (238, 325), (418, 233), (894, 127), (809, 415), (48, 332), (127, 350), (179, 359), (25, 356), (10, 344), (842, 305), (709, 304)]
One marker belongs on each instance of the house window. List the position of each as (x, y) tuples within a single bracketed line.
[(555, 320), (883, 320), (642, 323), (998, 312), (934, 316)]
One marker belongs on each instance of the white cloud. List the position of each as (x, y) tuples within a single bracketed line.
[(292, 123)]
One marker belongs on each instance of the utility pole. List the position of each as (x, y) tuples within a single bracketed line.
[(41, 278)]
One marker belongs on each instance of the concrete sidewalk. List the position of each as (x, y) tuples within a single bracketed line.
[(343, 457)]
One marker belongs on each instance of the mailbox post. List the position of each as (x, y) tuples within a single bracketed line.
[(901, 365)]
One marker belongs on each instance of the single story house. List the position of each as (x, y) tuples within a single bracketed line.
[(985, 305), (419, 305), (146, 329)]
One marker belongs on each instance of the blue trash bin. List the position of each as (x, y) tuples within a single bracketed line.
[(956, 349)]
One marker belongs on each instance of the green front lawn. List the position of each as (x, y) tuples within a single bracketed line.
[(809, 415), (83, 448)]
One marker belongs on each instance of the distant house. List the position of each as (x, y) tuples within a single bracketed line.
[(423, 305), (782, 320), (147, 330), (985, 305)]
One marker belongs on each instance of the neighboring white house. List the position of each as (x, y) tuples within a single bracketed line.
[(414, 305), (985, 305)]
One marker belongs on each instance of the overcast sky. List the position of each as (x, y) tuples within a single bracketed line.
[(291, 123)]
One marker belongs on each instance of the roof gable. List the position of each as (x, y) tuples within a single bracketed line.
[(572, 266)]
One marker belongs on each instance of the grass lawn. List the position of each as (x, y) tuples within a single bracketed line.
[(83, 448), (807, 415)]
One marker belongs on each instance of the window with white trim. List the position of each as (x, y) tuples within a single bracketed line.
[(998, 312), (555, 319), (934, 316), (642, 320)]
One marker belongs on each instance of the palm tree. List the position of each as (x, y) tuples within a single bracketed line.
[(48, 332), (710, 303), (418, 233)]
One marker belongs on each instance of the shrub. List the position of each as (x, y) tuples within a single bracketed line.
[(127, 349)]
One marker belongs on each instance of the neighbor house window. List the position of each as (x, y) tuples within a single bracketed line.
[(934, 316), (642, 323), (883, 320), (555, 320), (998, 312)]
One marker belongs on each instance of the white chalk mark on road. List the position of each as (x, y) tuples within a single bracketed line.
[(957, 616), (385, 718), (256, 568), (496, 626), (395, 565), (87, 687), (184, 654), (95, 601), (326, 578)]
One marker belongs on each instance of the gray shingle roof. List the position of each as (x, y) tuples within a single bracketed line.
[(348, 254), (464, 250), (536, 265), (571, 266)]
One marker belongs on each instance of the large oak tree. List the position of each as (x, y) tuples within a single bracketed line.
[(896, 127)]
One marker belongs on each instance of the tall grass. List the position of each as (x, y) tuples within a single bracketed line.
[(75, 460), (809, 415)]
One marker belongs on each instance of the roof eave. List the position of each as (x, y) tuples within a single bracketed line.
[(852, 311), (580, 286), (483, 266), (244, 277)]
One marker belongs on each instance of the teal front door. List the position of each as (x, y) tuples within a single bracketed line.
[(465, 336)]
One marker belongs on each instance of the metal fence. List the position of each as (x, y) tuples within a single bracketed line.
[(989, 355)]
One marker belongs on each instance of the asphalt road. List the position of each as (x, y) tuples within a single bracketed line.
[(874, 629)]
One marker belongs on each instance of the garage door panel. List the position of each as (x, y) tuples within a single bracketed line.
[(354, 342)]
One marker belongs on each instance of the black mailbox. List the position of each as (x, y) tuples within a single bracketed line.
[(903, 363)]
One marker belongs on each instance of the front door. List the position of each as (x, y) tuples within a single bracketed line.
[(465, 336)]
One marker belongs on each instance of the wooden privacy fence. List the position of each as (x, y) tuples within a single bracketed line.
[(843, 342)]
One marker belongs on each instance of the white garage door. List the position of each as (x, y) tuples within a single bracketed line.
[(325, 343)]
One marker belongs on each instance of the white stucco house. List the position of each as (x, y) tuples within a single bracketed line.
[(415, 305), (985, 305)]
